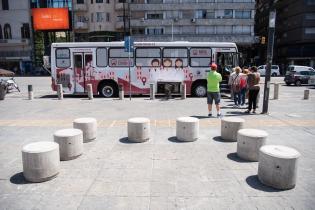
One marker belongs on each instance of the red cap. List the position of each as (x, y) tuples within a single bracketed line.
[(214, 66)]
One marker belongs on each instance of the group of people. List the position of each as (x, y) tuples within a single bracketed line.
[(242, 83)]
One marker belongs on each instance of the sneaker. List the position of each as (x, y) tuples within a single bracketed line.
[(247, 112), (254, 111), (219, 115), (209, 115)]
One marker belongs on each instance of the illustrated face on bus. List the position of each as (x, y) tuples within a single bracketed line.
[(155, 63), (167, 62), (179, 63)]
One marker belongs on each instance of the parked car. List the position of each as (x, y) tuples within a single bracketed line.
[(311, 81), (298, 75), (275, 70)]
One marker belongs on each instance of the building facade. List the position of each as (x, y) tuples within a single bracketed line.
[(294, 32), (15, 36)]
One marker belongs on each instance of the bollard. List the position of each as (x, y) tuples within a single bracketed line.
[(90, 91), (60, 91), (306, 94), (121, 92), (276, 91), (152, 95), (30, 92), (183, 90)]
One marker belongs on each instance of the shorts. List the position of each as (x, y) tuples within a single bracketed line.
[(213, 96)]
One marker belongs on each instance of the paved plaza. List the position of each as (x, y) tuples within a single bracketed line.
[(161, 174)]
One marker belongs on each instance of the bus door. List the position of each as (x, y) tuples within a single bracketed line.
[(83, 71)]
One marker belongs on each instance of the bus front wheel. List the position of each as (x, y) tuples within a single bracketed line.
[(200, 89), (108, 90)]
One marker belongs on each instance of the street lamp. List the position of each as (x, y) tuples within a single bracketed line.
[(271, 33)]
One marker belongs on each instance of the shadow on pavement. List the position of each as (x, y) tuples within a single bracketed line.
[(200, 117), (254, 182), (175, 140), (18, 179), (233, 156), (125, 140), (219, 139), (235, 113)]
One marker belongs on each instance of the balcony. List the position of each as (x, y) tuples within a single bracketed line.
[(81, 26), (80, 7), (14, 42)]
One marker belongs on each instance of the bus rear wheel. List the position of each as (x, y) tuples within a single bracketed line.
[(108, 90), (200, 89)]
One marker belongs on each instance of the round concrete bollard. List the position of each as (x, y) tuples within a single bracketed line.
[(41, 161), (230, 127), (187, 128), (138, 129), (249, 142), (70, 143), (277, 166), (88, 127)]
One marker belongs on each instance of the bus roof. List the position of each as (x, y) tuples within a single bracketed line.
[(145, 44)]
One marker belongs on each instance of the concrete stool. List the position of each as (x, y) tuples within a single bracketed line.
[(277, 166), (249, 142), (41, 161), (187, 128), (70, 143), (138, 129), (88, 127), (230, 126)]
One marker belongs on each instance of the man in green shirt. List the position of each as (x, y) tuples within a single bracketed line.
[(213, 89)]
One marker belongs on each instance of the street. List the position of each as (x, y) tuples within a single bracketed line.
[(160, 173)]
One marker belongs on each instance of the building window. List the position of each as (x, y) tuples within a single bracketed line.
[(107, 17), (25, 31), (224, 1), (239, 14), (1, 35), (92, 17), (310, 30), (107, 2), (205, 14), (154, 1), (80, 1), (205, 29), (91, 1), (155, 16), (228, 13), (5, 4), (7, 31), (241, 30), (155, 31), (99, 17), (99, 1), (224, 29)]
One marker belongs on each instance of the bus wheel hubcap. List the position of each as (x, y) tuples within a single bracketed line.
[(108, 91), (200, 91)]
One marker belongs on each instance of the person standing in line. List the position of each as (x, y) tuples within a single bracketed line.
[(213, 89), (231, 78), (236, 87), (243, 86), (253, 79)]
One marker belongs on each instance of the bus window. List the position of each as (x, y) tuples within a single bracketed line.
[(177, 57), (200, 57), (63, 58), (101, 57), (147, 57), (119, 58)]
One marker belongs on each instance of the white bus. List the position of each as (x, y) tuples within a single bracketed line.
[(105, 65)]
